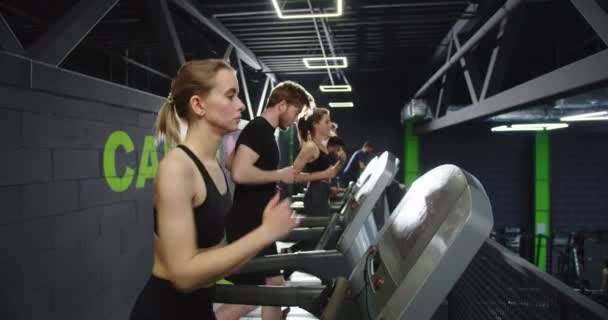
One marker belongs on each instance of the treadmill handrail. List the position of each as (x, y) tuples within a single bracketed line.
[(326, 265), (299, 234), (307, 222), (328, 231)]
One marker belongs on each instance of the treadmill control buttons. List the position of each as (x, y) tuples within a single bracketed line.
[(378, 282)]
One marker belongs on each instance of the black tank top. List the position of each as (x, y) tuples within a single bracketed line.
[(320, 164), (209, 217)]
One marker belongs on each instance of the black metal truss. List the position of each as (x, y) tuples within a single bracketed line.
[(159, 11), (501, 54), (57, 43), (244, 52), (595, 16), (8, 39), (487, 98), (577, 75)]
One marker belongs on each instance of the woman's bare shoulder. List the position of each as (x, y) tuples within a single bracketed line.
[(175, 165)]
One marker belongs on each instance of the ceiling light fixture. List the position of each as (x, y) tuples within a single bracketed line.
[(339, 9), (341, 104), (593, 116), (307, 62), (336, 88), (530, 127)]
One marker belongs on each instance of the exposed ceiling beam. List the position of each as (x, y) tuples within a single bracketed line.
[(581, 74), (57, 43), (595, 16), (243, 51), (159, 12), (8, 39), (349, 45), (416, 4), (496, 18)]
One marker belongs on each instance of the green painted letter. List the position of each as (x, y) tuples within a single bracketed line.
[(116, 183), (148, 163)]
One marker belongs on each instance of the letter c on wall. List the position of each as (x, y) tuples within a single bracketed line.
[(117, 183)]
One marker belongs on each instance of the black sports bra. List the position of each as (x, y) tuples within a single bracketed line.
[(210, 216), (320, 164)]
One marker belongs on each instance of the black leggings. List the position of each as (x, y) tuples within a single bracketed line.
[(316, 199), (160, 301)]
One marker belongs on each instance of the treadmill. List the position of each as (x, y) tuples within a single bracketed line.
[(314, 228), (353, 187), (420, 253), (360, 230)]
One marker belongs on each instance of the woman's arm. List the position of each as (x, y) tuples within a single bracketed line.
[(329, 173), (189, 269), (309, 153), (315, 176)]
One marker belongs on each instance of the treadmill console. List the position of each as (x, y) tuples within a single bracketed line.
[(431, 237)]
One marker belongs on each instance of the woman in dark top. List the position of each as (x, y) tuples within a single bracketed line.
[(313, 162), (191, 199)]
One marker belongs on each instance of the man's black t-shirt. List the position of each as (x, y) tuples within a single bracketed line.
[(249, 199)]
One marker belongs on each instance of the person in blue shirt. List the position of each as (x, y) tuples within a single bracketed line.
[(357, 163), (335, 146)]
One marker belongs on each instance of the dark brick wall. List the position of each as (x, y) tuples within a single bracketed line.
[(579, 180), (503, 163), (71, 247)]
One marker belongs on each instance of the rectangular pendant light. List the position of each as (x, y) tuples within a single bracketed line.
[(530, 127), (336, 88), (339, 9), (342, 60), (341, 104), (593, 116)]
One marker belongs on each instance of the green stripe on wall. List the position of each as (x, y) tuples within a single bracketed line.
[(411, 156), (542, 198)]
